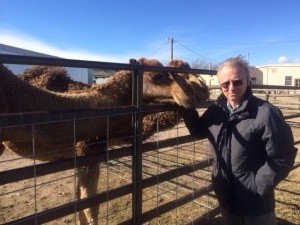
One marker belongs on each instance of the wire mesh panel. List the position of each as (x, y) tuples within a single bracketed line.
[(42, 186), (49, 188), (175, 200), (32, 192)]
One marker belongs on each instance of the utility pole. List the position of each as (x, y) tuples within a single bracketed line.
[(172, 44), (171, 40)]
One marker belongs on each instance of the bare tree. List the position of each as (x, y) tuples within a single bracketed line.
[(203, 64)]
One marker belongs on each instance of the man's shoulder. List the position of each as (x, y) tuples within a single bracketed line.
[(265, 108), (263, 104)]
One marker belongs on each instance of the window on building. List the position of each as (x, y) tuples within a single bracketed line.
[(297, 82), (288, 80), (253, 80)]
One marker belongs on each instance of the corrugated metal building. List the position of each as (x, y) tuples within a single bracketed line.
[(84, 75)]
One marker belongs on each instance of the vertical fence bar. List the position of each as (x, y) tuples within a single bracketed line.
[(137, 93)]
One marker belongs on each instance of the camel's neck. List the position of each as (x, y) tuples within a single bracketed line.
[(19, 96), (117, 90)]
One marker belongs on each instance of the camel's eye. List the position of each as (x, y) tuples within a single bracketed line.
[(160, 78)]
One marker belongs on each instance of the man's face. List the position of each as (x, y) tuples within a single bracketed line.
[(233, 84)]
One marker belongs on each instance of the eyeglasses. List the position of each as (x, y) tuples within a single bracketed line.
[(235, 83)]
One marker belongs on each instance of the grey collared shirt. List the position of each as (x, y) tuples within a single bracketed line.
[(232, 110)]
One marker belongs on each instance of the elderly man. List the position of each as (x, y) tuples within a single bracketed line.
[(252, 147)]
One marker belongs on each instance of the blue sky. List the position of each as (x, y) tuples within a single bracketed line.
[(264, 32)]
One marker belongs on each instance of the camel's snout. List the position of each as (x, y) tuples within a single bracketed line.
[(183, 93), (185, 98)]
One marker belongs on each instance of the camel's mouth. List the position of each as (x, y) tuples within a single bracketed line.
[(178, 99), (157, 100)]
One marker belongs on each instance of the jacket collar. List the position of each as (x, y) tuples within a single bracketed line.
[(222, 102)]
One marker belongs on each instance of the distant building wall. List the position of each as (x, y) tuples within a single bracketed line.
[(16, 69), (285, 74), (84, 75), (256, 76), (210, 79)]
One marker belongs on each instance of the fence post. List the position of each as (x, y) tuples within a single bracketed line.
[(137, 94), (267, 96)]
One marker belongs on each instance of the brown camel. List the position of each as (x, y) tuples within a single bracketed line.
[(18, 96)]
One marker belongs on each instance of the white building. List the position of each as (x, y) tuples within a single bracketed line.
[(275, 74), (84, 75)]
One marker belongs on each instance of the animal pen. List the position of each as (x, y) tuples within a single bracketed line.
[(143, 182), (164, 179)]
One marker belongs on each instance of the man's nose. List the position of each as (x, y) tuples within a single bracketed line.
[(231, 86)]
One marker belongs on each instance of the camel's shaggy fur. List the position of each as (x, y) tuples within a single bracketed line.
[(19, 96), (52, 78), (56, 79)]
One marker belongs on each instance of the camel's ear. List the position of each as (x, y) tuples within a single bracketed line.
[(142, 61), (2, 148), (133, 61), (178, 63), (149, 62)]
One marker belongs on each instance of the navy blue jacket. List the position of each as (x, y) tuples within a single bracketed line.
[(253, 150)]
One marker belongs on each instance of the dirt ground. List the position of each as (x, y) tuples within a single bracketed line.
[(23, 198)]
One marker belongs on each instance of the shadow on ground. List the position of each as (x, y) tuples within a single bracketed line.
[(218, 221)]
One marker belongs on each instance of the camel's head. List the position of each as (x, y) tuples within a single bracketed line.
[(170, 88), (200, 88)]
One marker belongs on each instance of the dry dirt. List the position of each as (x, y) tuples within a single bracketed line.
[(35, 195)]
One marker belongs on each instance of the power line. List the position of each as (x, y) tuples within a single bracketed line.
[(196, 53), (172, 41), (258, 42), (158, 49)]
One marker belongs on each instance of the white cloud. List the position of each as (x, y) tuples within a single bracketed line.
[(283, 59), (21, 40), (159, 49)]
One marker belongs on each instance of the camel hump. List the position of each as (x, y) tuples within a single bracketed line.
[(52, 78)]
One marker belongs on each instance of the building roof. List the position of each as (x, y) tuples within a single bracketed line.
[(280, 65), (6, 49)]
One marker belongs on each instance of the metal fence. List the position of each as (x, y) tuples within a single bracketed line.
[(163, 180)]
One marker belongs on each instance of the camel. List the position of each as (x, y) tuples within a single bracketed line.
[(19, 96)]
